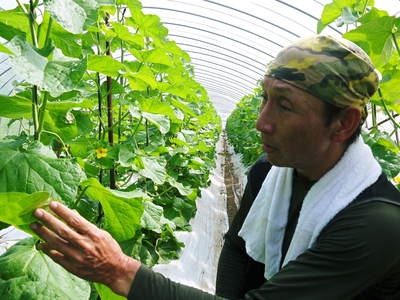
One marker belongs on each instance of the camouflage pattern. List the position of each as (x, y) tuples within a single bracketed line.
[(334, 70)]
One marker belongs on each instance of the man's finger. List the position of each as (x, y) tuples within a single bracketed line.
[(52, 239), (72, 218), (58, 226)]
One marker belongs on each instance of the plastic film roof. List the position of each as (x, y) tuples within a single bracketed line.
[(230, 41)]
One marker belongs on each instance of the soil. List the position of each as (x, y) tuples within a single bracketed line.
[(231, 181)]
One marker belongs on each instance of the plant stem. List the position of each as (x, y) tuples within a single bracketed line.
[(147, 132), (395, 43), (62, 142), (79, 197), (32, 24), (42, 111), (31, 18), (99, 102), (35, 116), (110, 111), (373, 109), (137, 126), (395, 124), (23, 7)]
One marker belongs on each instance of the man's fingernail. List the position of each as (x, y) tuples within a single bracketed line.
[(53, 204), (34, 226), (38, 213)]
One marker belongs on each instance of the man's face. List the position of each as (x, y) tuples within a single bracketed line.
[(292, 126)]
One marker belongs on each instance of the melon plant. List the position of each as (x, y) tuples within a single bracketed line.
[(113, 125)]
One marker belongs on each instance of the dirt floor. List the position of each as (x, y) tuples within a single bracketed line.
[(231, 181)]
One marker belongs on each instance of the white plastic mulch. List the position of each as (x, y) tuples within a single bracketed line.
[(197, 265)]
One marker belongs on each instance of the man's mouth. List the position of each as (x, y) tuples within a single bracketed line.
[(268, 148)]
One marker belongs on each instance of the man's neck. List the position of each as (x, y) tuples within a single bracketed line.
[(320, 167)]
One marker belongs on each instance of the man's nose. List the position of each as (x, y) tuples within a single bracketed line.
[(264, 122)]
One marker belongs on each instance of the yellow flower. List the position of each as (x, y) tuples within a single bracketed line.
[(397, 179), (101, 152)]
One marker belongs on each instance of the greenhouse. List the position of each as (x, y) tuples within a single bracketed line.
[(209, 149)]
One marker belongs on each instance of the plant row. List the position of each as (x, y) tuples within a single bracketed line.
[(113, 125)]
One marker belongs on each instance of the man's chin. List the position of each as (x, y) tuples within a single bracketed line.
[(275, 161)]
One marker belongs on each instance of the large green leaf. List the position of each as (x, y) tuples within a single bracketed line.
[(374, 35), (15, 107), (122, 210), (26, 273), (13, 22), (155, 106), (67, 42), (124, 34), (153, 168), (55, 77), (162, 122), (153, 217), (146, 75), (148, 25), (141, 249), (4, 49), (167, 246), (17, 208), (75, 15), (105, 65), (157, 56), (106, 293), (30, 171)]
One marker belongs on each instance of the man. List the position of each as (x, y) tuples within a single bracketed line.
[(318, 219)]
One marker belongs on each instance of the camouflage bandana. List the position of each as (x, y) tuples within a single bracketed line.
[(334, 70)]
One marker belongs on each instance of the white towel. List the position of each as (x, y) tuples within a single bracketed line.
[(264, 227)]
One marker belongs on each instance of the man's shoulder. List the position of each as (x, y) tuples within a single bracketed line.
[(382, 191)]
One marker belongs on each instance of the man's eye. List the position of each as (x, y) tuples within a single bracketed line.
[(285, 107)]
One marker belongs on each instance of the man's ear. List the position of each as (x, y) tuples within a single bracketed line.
[(346, 124)]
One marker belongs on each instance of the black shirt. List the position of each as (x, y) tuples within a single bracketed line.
[(356, 256)]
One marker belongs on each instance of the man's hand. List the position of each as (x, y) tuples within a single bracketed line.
[(84, 250)]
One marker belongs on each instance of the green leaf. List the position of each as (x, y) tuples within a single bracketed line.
[(161, 122), (106, 293), (184, 191), (75, 15), (153, 168), (155, 106), (148, 25), (26, 273), (15, 107), (168, 246), (56, 77), (17, 208), (374, 36), (146, 75), (124, 34), (105, 65), (5, 49), (386, 152), (67, 42), (126, 155), (122, 211), (132, 4), (63, 76), (12, 23), (157, 56), (28, 171), (332, 11), (151, 218), (141, 249)]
